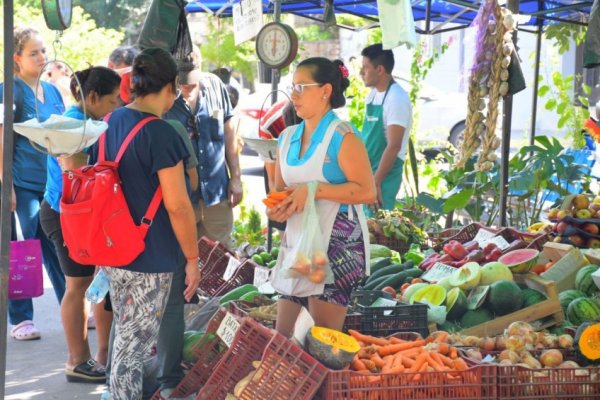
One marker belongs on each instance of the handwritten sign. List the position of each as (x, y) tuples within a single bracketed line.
[(232, 266), (228, 328), (499, 241), (483, 236), (247, 20), (383, 302), (261, 276), (438, 272)]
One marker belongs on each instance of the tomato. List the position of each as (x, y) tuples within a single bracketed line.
[(390, 290), (404, 287), (416, 280), (538, 269)]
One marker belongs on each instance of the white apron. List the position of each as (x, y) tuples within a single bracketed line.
[(311, 170)]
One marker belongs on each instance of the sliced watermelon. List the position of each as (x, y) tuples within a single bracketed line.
[(520, 261), (456, 304)]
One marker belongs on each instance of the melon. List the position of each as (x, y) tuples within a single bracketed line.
[(332, 348), (475, 317), (504, 297), (584, 281), (467, 276), (582, 310), (411, 290), (456, 304), (568, 296), (520, 261), (445, 283), (495, 271), (431, 294), (532, 297)]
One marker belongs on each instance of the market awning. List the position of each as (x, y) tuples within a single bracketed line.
[(459, 12)]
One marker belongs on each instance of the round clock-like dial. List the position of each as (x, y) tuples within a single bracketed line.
[(57, 13), (276, 45)]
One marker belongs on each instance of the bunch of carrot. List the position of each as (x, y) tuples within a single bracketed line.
[(273, 198), (394, 356)]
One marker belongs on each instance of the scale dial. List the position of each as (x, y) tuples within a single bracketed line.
[(57, 13), (276, 45)]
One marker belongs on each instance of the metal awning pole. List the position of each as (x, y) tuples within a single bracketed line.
[(513, 5), (536, 81), (7, 153), (275, 73), (428, 17)]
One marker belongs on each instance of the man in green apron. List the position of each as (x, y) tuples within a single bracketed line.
[(387, 122)]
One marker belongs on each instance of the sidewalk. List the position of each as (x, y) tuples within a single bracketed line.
[(35, 369)]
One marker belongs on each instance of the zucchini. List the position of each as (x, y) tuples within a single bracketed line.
[(379, 262), (250, 296), (390, 269), (237, 293), (396, 279), (370, 285)]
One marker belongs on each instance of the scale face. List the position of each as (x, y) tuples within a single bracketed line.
[(276, 45), (57, 13)]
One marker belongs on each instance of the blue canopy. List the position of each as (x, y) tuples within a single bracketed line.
[(459, 12)]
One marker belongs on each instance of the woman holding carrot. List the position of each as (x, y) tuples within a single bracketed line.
[(322, 149)]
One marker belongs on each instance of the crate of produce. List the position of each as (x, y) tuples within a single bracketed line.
[(435, 238), (208, 351), (208, 249), (285, 372), (467, 234), (567, 259), (533, 241), (223, 273), (353, 321), (387, 320), (542, 315), (248, 346), (253, 310), (243, 275)]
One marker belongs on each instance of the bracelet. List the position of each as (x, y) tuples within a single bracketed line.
[(192, 258)]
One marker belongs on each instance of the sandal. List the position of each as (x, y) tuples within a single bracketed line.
[(87, 372), (26, 330)]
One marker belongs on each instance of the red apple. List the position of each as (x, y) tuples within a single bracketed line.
[(577, 240), (591, 228), (561, 227)]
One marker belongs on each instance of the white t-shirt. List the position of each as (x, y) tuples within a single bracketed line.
[(396, 111)]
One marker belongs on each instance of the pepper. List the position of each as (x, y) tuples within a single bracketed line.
[(456, 250)]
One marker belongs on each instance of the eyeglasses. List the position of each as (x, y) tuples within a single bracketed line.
[(299, 87)]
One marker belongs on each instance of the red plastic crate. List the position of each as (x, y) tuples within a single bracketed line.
[(248, 345), (243, 275), (240, 309), (208, 354), (467, 385), (205, 247), (211, 275)]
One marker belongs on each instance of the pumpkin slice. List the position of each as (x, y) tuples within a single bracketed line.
[(332, 348), (588, 340)]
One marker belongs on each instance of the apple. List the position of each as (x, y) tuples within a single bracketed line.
[(596, 200), (591, 228), (562, 214), (552, 214), (577, 240), (583, 213), (597, 214), (593, 243), (581, 201), (561, 227)]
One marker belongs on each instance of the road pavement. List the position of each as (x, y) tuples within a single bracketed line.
[(35, 369)]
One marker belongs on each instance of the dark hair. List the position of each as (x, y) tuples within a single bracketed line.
[(123, 55), (101, 80), (234, 95), (378, 56), (325, 71), (152, 70), (224, 74)]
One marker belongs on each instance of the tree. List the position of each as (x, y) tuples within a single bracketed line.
[(126, 16)]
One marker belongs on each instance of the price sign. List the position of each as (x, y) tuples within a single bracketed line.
[(383, 302), (232, 266), (499, 241), (261, 276), (483, 236), (228, 328), (438, 272), (247, 20)]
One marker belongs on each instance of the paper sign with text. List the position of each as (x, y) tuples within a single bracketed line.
[(232, 266), (438, 272), (483, 236), (228, 328), (261, 276), (247, 20), (499, 241)]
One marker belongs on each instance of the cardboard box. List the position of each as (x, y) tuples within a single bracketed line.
[(568, 260)]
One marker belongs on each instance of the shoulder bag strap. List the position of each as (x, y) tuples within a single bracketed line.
[(101, 144)]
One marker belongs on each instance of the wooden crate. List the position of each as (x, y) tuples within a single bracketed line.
[(547, 308), (567, 261)]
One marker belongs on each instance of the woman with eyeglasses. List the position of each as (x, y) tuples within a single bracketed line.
[(324, 149)]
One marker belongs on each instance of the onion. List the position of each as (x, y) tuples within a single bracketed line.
[(531, 362), (474, 354), (510, 355), (515, 343), (506, 362), (568, 364), (500, 343), (551, 341), (551, 358), (471, 340), (565, 341), (487, 344), (518, 328)]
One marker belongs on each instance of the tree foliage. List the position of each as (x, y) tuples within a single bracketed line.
[(126, 16)]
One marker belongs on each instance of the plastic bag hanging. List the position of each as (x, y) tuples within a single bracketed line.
[(310, 260)]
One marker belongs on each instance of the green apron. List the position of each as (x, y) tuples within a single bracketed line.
[(373, 136)]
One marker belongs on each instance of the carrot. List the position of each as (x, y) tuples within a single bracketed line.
[(443, 348), (397, 361), (408, 362), (448, 362), (453, 353), (440, 336), (387, 363), (362, 353), (412, 353), (396, 370), (278, 195), (370, 365), (358, 365), (423, 368), (419, 361), (395, 340), (269, 203), (437, 366), (394, 348), (367, 339), (377, 360), (460, 364)]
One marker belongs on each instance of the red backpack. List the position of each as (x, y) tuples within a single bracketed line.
[(96, 223)]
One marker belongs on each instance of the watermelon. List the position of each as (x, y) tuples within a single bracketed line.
[(568, 296), (582, 310), (448, 326), (532, 296), (584, 280), (504, 297), (456, 304), (520, 261), (475, 317)]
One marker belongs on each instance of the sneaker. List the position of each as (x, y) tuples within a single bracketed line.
[(87, 372)]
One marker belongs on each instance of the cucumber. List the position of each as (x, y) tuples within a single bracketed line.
[(379, 262), (390, 269), (250, 296), (237, 293), (370, 285), (397, 279)]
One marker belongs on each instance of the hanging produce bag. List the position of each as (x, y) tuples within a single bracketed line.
[(303, 268), (166, 27), (25, 279)]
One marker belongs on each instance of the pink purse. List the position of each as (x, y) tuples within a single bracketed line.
[(25, 275)]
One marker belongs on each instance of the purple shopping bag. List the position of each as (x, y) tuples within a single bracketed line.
[(25, 279)]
